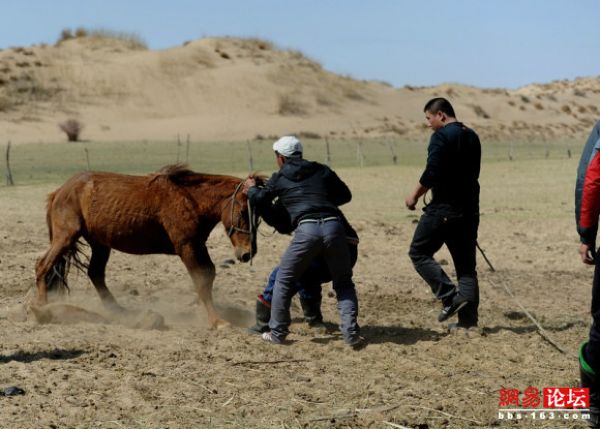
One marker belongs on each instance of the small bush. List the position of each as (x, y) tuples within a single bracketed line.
[(323, 99), (538, 106), (66, 34), (525, 99), (308, 135), (260, 44), (132, 40), (72, 128), (290, 105), (566, 109), (81, 32), (480, 112)]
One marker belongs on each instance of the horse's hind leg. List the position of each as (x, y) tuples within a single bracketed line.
[(202, 270), (96, 272), (59, 247)]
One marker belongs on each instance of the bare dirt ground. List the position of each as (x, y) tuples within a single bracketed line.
[(412, 372)]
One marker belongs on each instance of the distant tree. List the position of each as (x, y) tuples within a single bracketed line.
[(72, 128)]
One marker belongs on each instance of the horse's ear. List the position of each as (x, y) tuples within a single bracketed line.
[(260, 179)]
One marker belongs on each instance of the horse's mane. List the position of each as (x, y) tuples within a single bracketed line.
[(182, 175)]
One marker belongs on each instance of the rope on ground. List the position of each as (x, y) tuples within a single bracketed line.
[(543, 333), (446, 414)]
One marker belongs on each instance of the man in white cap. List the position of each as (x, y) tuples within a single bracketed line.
[(311, 193)]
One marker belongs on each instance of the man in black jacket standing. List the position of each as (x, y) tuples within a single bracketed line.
[(452, 216), (311, 193)]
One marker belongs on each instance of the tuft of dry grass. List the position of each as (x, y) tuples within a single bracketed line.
[(324, 99), (131, 41), (289, 105), (480, 112), (308, 135)]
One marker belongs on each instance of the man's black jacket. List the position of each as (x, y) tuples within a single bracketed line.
[(306, 189), (452, 171)]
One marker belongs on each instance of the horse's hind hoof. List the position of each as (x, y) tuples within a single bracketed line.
[(220, 324), (113, 307)]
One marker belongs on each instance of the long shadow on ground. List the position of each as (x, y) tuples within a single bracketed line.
[(56, 354), (390, 334)]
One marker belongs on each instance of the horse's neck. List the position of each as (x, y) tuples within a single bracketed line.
[(214, 197)]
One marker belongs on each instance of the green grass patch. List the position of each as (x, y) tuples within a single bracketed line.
[(55, 162)]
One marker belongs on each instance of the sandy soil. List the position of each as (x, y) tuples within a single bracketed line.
[(120, 374)]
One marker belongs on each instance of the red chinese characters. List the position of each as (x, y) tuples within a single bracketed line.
[(566, 397), (531, 398), (508, 397)]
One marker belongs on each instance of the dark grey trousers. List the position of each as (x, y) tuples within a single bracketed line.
[(459, 232), (327, 239)]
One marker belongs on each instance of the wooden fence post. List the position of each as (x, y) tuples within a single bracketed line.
[(394, 157), (359, 155), (87, 158), (328, 153), (187, 149), (9, 178), (250, 160)]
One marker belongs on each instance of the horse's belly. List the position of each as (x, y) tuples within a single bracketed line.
[(139, 242)]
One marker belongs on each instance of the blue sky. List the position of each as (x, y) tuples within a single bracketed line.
[(488, 43)]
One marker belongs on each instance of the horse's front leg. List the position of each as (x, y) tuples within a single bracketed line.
[(202, 270)]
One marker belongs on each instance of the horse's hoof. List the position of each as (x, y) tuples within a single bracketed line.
[(220, 324), (115, 308)]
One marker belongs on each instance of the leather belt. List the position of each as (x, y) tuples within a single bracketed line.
[(325, 219)]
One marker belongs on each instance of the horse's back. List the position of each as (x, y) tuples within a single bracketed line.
[(116, 210)]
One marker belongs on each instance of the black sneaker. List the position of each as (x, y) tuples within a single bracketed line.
[(452, 308), (357, 343)]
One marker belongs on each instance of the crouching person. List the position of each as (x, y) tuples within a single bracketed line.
[(308, 287), (311, 193)]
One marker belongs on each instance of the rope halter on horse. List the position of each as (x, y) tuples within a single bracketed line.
[(253, 225)]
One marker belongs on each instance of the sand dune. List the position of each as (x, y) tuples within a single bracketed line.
[(232, 89)]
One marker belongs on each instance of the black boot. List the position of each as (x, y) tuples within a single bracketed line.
[(312, 312), (263, 315), (590, 379)]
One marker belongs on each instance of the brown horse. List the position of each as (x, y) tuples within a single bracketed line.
[(172, 211)]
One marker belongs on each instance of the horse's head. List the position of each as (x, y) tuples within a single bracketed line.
[(241, 223)]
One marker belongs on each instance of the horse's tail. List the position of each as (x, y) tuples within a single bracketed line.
[(49, 202), (56, 277)]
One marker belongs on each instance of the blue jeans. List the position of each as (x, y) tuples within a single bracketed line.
[(308, 287), (326, 239)]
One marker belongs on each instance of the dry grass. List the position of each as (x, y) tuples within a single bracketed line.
[(290, 105), (480, 112), (25, 88), (131, 41)]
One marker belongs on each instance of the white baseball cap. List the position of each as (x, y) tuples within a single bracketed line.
[(288, 146)]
